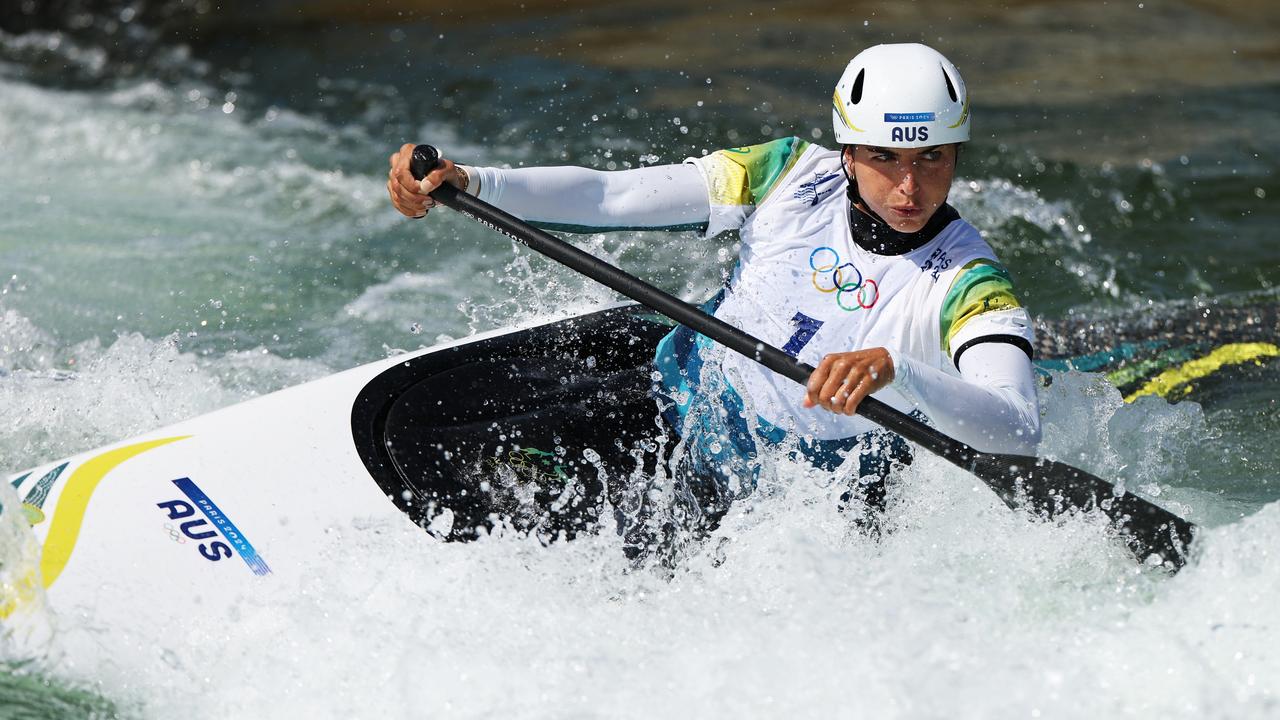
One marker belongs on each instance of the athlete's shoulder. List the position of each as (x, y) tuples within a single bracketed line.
[(745, 175), (777, 148), (980, 301)]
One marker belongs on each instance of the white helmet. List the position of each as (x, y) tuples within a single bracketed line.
[(905, 95)]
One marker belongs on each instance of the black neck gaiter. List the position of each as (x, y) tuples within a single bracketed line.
[(873, 234)]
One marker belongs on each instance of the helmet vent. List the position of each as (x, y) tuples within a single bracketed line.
[(855, 95), (951, 89)]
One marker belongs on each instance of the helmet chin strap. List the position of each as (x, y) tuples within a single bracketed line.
[(855, 198)]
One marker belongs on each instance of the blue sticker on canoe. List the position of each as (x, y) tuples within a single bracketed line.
[(910, 117), (238, 541)]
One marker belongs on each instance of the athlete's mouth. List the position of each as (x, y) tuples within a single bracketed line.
[(907, 211)]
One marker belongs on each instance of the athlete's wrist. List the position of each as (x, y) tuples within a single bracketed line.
[(889, 371), (462, 178), (902, 370)]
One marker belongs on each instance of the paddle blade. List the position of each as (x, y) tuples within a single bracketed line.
[(1050, 488)]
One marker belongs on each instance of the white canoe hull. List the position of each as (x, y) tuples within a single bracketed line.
[(194, 516)]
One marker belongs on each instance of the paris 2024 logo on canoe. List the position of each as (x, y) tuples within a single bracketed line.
[(216, 537)]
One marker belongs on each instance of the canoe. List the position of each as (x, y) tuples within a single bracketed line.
[(531, 427), (521, 426)]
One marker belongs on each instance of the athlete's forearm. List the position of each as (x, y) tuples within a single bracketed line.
[(992, 406), (664, 196)]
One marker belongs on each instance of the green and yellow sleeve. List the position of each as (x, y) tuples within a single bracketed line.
[(981, 288), (739, 179)]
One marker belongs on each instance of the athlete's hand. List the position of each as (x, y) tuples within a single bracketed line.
[(410, 196), (842, 380)]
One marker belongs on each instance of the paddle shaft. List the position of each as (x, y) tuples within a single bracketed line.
[(426, 157)]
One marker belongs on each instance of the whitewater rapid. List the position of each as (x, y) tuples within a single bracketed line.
[(172, 245)]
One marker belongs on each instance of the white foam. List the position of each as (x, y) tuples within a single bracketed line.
[(64, 401), (27, 627), (794, 614), (403, 299)]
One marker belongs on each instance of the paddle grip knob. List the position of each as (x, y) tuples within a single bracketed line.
[(424, 160)]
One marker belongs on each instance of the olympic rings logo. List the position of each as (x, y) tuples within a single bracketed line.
[(174, 535), (832, 276)]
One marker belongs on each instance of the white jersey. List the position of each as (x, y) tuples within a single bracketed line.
[(803, 284)]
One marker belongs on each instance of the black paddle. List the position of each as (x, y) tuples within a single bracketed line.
[(1048, 487)]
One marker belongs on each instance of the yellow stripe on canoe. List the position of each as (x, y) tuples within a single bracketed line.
[(1233, 354), (68, 518), (74, 501)]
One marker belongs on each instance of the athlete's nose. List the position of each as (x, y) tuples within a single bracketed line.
[(908, 184)]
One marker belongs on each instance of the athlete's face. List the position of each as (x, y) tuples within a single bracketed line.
[(905, 186)]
